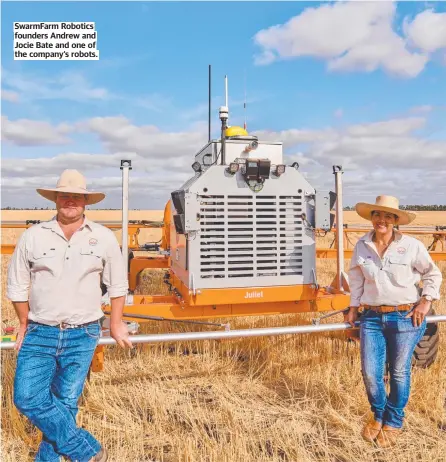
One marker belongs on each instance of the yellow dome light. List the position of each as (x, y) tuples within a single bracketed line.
[(235, 131)]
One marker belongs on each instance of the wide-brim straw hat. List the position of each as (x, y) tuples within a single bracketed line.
[(385, 204), (72, 181)]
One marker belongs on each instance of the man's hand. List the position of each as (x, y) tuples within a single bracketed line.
[(420, 312), (20, 336), (118, 328), (120, 333), (22, 310), (351, 316)]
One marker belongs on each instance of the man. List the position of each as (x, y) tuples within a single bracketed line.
[(54, 284)]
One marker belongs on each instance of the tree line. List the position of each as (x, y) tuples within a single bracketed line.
[(416, 208)]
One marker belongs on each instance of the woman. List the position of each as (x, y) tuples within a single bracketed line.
[(385, 270)]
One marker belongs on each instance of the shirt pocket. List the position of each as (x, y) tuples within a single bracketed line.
[(399, 271), (368, 269), (43, 259), (91, 258)]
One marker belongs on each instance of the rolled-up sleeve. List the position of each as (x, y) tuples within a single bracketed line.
[(19, 277), (115, 273), (355, 280), (430, 273)]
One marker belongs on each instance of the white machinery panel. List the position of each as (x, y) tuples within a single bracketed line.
[(237, 237), (236, 149)]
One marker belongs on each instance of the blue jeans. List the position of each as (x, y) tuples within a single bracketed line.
[(52, 366), (388, 337)]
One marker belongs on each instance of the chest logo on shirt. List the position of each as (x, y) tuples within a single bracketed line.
[(93, 241), (401, 250)]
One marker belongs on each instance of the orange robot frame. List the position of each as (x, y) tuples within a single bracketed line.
[(183, 304)]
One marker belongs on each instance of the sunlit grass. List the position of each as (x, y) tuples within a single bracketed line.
[(286, 398)]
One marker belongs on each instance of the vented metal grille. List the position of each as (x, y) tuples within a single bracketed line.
[(250, 236)]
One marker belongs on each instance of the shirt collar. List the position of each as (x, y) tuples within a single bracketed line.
[(53, 224), (87, 223), (369, 236)]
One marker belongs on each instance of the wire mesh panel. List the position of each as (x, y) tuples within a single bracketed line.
[(246, 236)]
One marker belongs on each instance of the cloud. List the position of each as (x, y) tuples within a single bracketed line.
[(74, 86), (70, 85), (25, 132), (119, 134), (381, 156), (294, 136), (92, 163), (388, 128), (368, 152), (148, 187), (384, 156), (161, 162), (10, 96), (355, 36), (109, 183), (423, 109), (50, 166), (427, 31)]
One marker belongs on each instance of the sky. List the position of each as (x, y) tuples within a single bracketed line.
[(357, 84)]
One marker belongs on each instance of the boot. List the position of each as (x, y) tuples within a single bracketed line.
[(388, 436), (101, 456), (371, 430)]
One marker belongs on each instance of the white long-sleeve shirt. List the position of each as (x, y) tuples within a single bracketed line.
[(61, 279), (393, 279)]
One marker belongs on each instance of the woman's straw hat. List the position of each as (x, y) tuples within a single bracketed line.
[(72, 181), (385, 204)]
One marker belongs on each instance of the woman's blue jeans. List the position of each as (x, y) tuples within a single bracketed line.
[(392, 338), (52, 366)]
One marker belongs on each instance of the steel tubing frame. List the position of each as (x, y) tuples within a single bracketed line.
[(243, 333), (125, 167), (337, 171)]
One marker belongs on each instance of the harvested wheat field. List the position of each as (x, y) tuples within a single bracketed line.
[(285, 398)]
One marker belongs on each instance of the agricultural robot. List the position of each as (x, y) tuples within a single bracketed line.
[(239, 239)]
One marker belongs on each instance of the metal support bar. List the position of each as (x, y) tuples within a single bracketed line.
[(317, 321), (160, 318), (209, 97), (126, 165), (224, 116), (243, 333), (337, 170)]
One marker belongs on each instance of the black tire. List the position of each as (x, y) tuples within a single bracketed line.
[(103, 288), (426, 351), (131, 256)]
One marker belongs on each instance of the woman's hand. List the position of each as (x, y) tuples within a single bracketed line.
[(351, 316), (420, 312)]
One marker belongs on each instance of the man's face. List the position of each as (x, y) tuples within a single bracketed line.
[(70, 205), (383, 222)]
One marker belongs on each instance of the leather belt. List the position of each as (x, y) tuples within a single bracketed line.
[(65, 325), (389, 308)]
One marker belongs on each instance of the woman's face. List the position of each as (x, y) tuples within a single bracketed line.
[(383, 222)]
